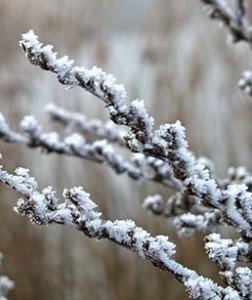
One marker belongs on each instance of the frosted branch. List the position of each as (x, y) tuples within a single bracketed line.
[(79, 211), (227, 254), (242, 280), (238, 27), (98, 83), (176, 205), (188, 223), (237, 175), (108, 131), (190, 215), (168, 143), (8, 135), (99, 151), (234, 21), (79, 122)]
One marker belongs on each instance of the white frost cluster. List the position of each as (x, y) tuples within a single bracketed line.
[(21, 181), (154, 203), (62, 66), (243, 281), (30, 124), (225, 252)]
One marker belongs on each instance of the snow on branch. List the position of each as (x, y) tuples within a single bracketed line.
[(227, 253), (233, 20), (99, 84), (110, 132), (167, 143), (6, 284), (79, 211), (238, 27), (176, 205), (7, 134), (79, 122), (99, 151), (190, 215), (240, 175), (188, 223)]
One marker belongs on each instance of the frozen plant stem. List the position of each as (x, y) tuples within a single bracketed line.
[(233, 20), (79, 211), (137, 167), (168, 143), (238, 27), (78, 121)]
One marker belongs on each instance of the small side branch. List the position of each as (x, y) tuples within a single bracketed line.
[(238, 27), (77, 121), (139, 168), (234, 21)]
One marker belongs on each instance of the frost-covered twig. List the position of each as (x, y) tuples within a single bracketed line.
[(239, 29), (234, 21), (227, 254), (98, 83), (176, 205), (100, 151), (189, 215), (168, 143), (238, 175), (5, 283), (79, 211), (108, 131), (162, 172), (188, 223), (9, 135), (79, 122)]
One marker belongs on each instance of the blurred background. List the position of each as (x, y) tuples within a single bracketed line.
[(165, 52)]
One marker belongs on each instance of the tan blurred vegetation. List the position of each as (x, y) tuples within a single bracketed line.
[(166, 52)]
